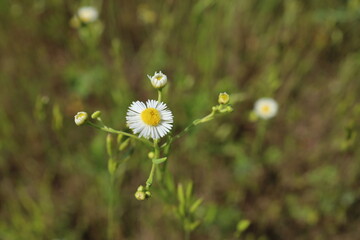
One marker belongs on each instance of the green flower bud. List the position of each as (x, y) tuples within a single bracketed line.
[(109, 141), (95, 115), (148, 194), (151, 155), (140, 196), (140, 188), (229, 109)]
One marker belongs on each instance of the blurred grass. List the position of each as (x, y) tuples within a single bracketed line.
[(304, 184)]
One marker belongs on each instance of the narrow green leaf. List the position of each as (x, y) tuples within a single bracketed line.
[(181, 198), (189, 191), (194, 225), (124, 144), (195, 205)]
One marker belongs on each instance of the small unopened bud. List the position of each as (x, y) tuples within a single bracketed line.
[(151, 155), (229, 109), (159, 80), (109, 141), (223, 98), (80, 118), (95, 115), (148, 194), (140, 196), (140, 188)]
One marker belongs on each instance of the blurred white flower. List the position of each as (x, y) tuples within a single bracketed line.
[(150, 120), (80, 118), (88, 14), (159, 80), (266, 108)]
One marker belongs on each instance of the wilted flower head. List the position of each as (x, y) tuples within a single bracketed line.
[(266, 108), (80, 118), (150, 120), (159, 80), (223, 98), (87, 14)]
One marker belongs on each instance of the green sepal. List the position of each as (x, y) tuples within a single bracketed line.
[(159, 160)]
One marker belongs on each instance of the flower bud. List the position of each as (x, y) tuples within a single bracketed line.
[(80, 118), (95, 115), (223, 98), (140, 196), (151, 155), (148, 194), (109, 141), (159, 80), (140, 188)]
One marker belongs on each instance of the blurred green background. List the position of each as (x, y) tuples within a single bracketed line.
[(303, 183)]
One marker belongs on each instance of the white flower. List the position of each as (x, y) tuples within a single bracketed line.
[(87, 14), (80, 118), (159, 80), (266, 108), (150, 120)]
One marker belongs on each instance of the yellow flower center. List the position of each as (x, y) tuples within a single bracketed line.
[(223, 98), (158, 77), (80, 115), (151, 116), (265, 108)]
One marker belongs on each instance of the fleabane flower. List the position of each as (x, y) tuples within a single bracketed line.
[(150, 120), (159, 80), (223, 98), (80, 118), (266, 108), (87, 14)]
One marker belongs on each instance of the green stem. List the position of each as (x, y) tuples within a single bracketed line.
[(111, 215), (149, 181), (159, 95), (193, 124), (111, 130)]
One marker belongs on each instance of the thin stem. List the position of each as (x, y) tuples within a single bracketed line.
[(111, 130), (180, 134), (193, 124), (111, 215), (159, 95), (149, 181)]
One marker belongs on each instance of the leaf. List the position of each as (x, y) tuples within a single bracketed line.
[(112, 166), (189, 191), (124, 144), (194, 225), (181, 199), (195, 205), (159, 160)]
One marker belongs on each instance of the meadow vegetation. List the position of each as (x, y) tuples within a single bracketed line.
[(295, 176)]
